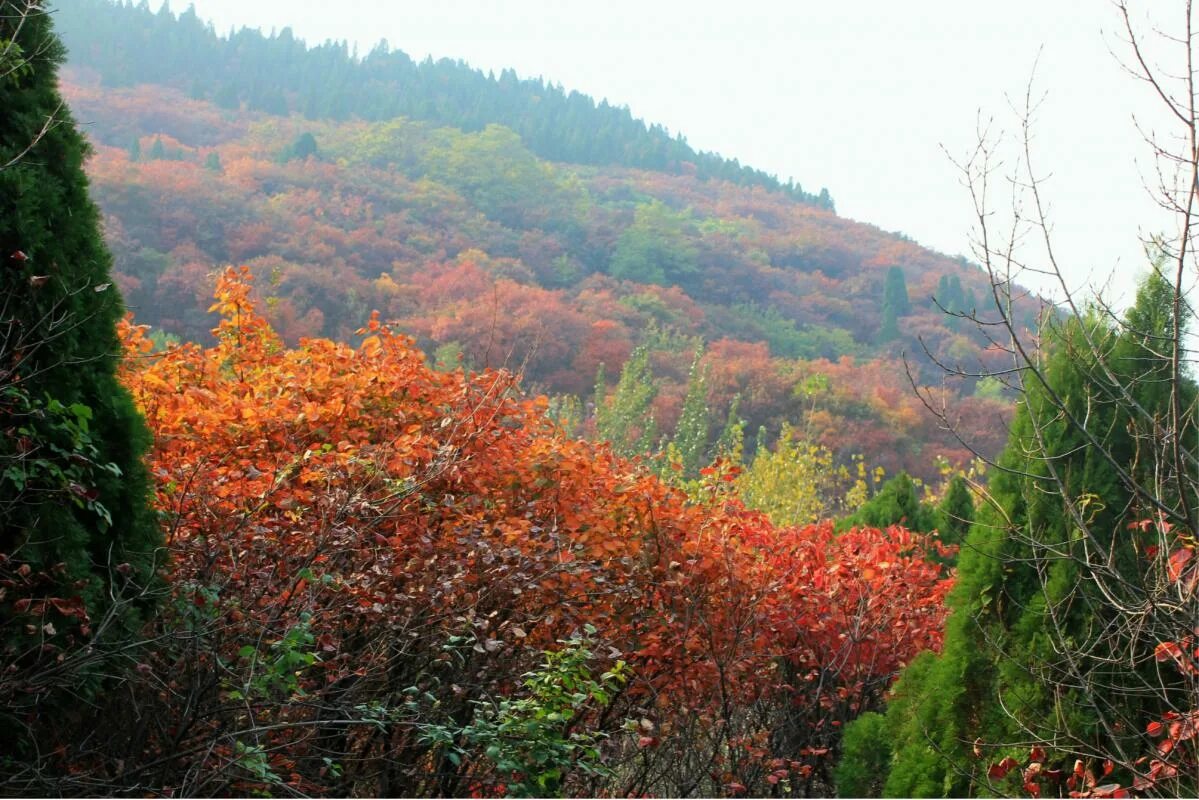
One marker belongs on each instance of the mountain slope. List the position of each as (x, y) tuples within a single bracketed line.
[(279, 74), (477, 246)]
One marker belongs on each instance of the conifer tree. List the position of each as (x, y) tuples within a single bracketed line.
[(955, 512), (895, 292), (73, 490), (896, 503), (895, 305), (1028, 646)]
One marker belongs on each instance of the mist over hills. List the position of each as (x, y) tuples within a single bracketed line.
[(279, 74), (507, 223)]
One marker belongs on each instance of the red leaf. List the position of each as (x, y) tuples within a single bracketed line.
[(999, 771), (1166, 651), (1178, 561)]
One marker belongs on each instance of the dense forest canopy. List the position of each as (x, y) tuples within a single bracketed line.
[(464, 233), (454, 448), (279, 74)]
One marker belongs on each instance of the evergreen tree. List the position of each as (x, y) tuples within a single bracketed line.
[(895, 305), (129, 44), (303, 148), (895, 292), (157, 150), (889, 329), (955, 512), (73, 490), (212, 162), (1028, 645), (951, 300), (896, 503), (135, 149), (226, 97)]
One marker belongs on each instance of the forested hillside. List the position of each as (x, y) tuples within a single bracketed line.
[(462, 232), (430, 462), (129, 44)]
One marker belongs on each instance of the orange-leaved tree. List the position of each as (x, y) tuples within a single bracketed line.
[(370, 557)]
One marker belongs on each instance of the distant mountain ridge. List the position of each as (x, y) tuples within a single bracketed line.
[(279, 74), (490, 254)]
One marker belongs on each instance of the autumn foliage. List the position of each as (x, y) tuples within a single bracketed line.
[(469, 243), (364, 549)]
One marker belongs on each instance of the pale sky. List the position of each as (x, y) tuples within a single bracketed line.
[(859, 97)]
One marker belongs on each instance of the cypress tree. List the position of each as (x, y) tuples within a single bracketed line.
[(895, 292), (896, 304), (888, 331), (1028, 644), (73, 490), (896, 503), (955, 512)]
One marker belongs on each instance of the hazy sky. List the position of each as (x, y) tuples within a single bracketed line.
[(859, 97)]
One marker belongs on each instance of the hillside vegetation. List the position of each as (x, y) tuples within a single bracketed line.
[(462, 233), (467, 446)]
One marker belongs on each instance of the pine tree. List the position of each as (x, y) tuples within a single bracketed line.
[(157, 150), (73, 490), (135, 149), (1027, 646)]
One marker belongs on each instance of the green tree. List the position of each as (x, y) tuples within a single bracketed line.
[(157, 150), (1049, 569), (955, 512), (73, 491), (657, 248), (690, 442), (951, 300), (731, 441), (895, 305), (897, 502), (303, 148), (626, 418), (227, 97), (212, 162), (135, 149), (864, 756), (895, 292)]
